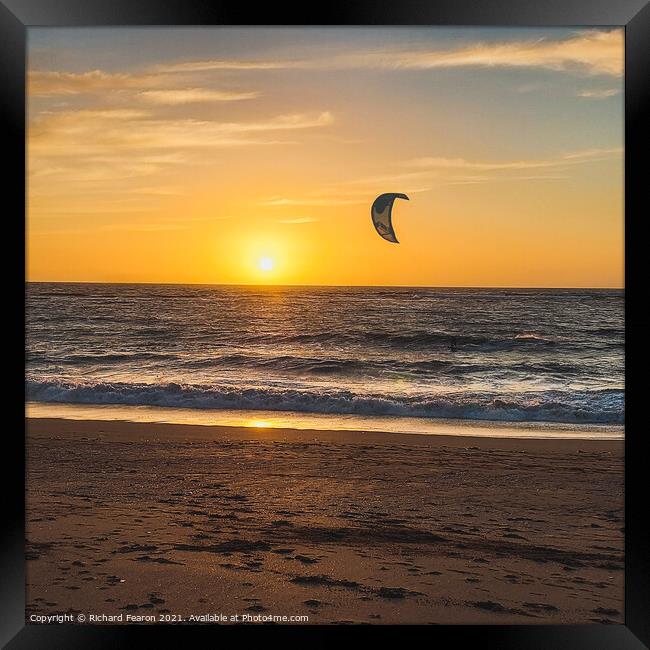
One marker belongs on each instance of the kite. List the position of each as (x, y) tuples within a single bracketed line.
[(381, 215)]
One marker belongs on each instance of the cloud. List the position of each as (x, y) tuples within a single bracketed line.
[(311, 201), (297, 220), (282, 123), (339, 195), (46, 83), (475, 180), (398, 177), (105, 152), (593, 52), (169, 223), (193, 95), (126, 133), (590, 155), (587, 155), (599, 94), (150, 86), (233, 64), (435, 171), (75, 133), (429, 172)]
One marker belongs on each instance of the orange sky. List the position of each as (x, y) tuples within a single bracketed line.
[(172, 155)]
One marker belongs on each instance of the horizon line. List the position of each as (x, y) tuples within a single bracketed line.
[(329, 286)]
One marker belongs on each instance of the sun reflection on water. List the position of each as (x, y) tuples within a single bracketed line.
[(258, 424)]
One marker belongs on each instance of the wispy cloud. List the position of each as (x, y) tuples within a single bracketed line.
[(599, 94), (169, 223), (193, 95), (428, 172), (297, 220), (234, 64), (351, 192), (594, 154), (594, 52), (47, 83), (75, 133), (148, 85), (563, 160), (591, 52), (110, 152), (475, 180), (415, 177), (311, 201), (116, 133)]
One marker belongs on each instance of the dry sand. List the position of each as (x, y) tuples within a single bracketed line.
[(157, 519)]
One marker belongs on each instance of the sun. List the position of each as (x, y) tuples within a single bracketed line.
[(265, 264)]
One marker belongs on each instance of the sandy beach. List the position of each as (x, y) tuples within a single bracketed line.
[(140, 520)]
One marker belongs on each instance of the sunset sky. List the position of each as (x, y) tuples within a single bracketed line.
[(223, 155)]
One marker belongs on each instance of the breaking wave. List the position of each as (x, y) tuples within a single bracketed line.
[(598, 406)]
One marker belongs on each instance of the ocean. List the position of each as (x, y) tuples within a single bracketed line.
[(340, 355)]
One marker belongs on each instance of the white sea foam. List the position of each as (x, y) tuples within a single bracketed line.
[(575, 406), (484, 354)]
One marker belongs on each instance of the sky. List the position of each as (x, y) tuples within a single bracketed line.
[(253, 155)]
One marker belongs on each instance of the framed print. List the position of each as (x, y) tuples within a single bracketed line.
[(329, 321)]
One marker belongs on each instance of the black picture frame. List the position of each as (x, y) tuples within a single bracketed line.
[(16, 16)]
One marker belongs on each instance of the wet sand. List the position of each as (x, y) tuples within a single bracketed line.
[(141, 520)]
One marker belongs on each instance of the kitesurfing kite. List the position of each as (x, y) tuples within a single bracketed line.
[(381, 215)]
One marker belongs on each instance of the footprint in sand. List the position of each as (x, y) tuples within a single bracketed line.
[(312, 602), (395, 593)]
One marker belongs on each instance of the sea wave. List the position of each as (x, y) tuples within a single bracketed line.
[(411, 340), (598, 406), (434, 366)]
